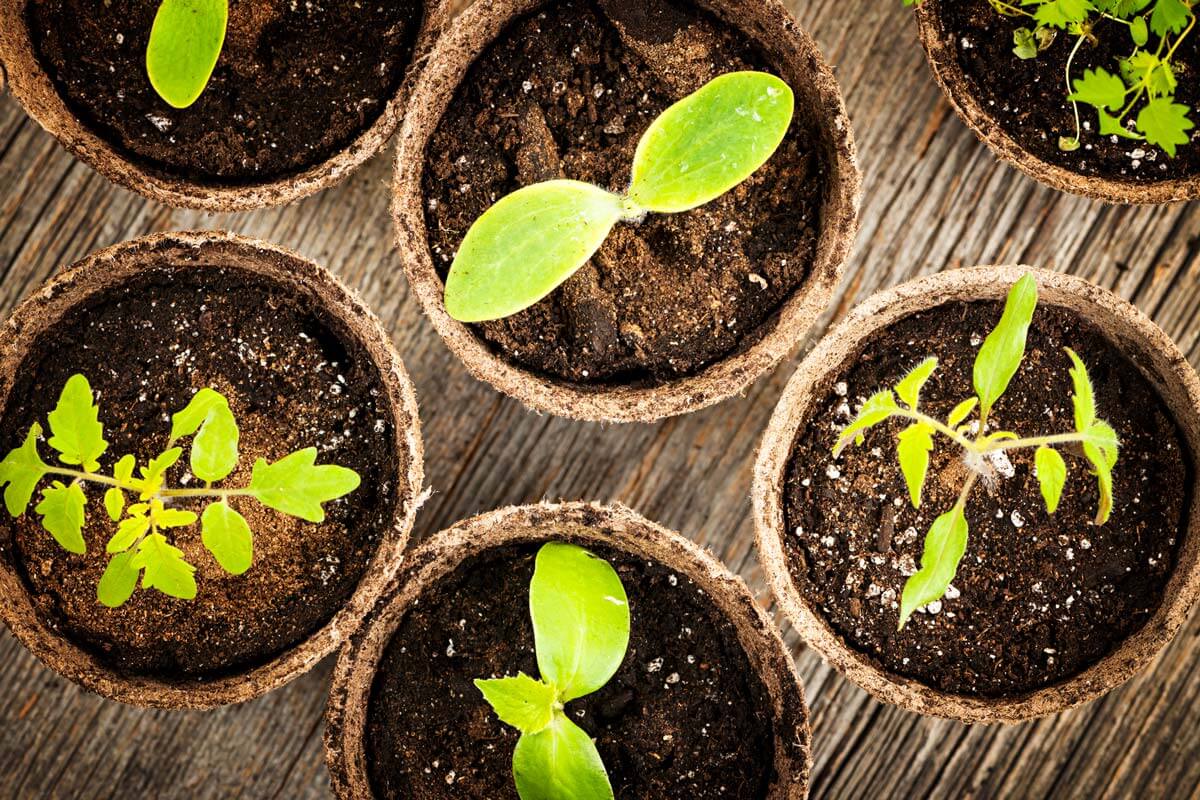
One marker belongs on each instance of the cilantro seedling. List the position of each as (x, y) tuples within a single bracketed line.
[(997, 362), (581, 632), (1135, 99), (140, 547), (530, 241), (185, 43)]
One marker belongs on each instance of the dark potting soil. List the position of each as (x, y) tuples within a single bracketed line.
[(295, 83), (1030, 102), (1037, 598), (294, 378), (684, 716), (567, 92)]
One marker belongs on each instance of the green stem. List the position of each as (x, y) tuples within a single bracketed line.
[(1074, 104), (222, 493), (91, 476), (80, 475), (1032, 441), (938, 426)]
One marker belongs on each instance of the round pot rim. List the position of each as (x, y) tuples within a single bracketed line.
[(941, 53), (1155, 351), (588, 524), (114, 265), (37, 94), (433, 89)]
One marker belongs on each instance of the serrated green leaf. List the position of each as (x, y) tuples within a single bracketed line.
[(20, 472), (172, 517), (580, 619), (295, 486), (123, 469), (523, 702), (1169, 17), (1083, 399), (912, 448), (114, 503), (1100, 88), (215, 448), (118, 581), (1146, 68), (1061, 13), (1100, 447), (1165, 123), (878, 407), (164, 567), (525, 245), (909, 388), (62, 509), (153, 472), (185, 43), (945, 544), (227, 536), (710, 141), (128, 531), (961, 411), (1051, 474), (76, 432), (1000, 354), (559, 762)]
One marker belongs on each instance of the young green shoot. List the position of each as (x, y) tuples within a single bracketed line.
[(996, 364), (531, 241), (185, 43), (1135, 97), (580, 632), (141, 547)]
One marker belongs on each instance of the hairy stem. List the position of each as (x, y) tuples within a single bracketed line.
[(80, 475), (938, 426)]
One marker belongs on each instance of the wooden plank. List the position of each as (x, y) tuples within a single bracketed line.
[(934, 198)]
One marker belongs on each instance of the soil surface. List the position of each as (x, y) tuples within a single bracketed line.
[(567, 92), (294, 379), (1037, 598), (1030, 102), (295, 83), (684, 716)]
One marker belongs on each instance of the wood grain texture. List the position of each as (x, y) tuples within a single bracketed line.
[(934, 198)]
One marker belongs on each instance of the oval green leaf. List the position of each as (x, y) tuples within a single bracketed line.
[(560, 762), (185, 43), (118, 581), (944, 547), (580, 619), (227, 536), (1051, 474), (710, 141), (1001, 352), (527, 244), (215, 448)]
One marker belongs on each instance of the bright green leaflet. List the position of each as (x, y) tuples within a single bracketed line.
[(62, 514), (1001, 352), (580, 619), (296, 486), (559, 763), (523, 702), (185, 43), (1051, 475), (581, 633), (138, 547), (997, 362), (227, 536), (944, 547), (76, 432), (710, 141), (529, 242)]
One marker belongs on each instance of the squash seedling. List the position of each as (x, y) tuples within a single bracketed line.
[(294, 485), (185, 43), (996, 363), (532, 240), (1143, 82), (581, 632)]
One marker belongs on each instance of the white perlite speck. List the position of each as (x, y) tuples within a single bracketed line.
[(1016, 518), (833, 472)]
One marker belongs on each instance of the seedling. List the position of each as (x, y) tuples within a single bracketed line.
[(185, 43), (1138, 101), (532, 240), (580, 632), (995, 365), (294, 485)]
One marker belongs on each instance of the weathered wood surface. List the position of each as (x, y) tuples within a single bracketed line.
[(934, 198)]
